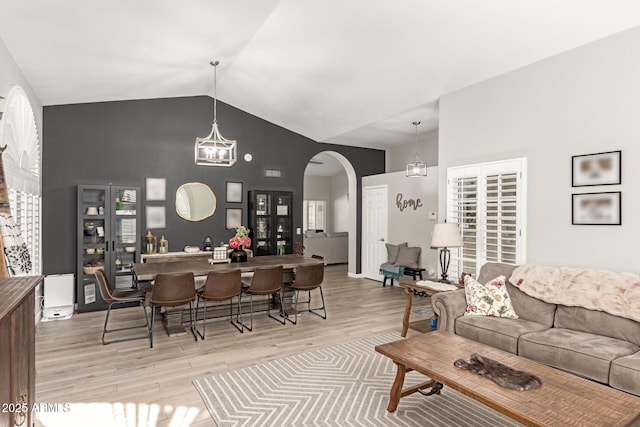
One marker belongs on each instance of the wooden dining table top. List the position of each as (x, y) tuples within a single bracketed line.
[(201, 267)]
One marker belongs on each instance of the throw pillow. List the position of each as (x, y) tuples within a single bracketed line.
[(392, 251), (408, 256), (490, 299)]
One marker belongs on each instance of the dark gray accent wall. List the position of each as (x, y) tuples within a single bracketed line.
[(126, 141)]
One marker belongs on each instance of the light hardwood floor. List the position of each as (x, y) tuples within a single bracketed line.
[(130, 384)]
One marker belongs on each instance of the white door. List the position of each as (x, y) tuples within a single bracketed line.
[(374, 234)]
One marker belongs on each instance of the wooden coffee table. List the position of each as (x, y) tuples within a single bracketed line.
[(564, 399)]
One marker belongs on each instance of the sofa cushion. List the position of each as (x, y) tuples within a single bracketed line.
[(525, 306), (597, 322), (408, 256), (625, 374), (497, 332), (490, 299), (393, 250), (581, 353)]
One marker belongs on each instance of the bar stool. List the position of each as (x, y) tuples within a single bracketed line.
[(265, 281), (173, 290), (220, 286)]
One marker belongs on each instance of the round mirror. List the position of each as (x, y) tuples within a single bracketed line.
[(195, 201)]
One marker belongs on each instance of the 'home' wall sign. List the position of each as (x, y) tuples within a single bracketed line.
[(409, 203)]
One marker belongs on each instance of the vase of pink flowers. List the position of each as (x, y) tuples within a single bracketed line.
[(238, 242)]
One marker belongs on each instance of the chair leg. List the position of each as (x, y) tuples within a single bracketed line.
[(153, 321), (236, 324), (316, 310), (204, 316), (106, 320), (241, 321), (106, 330), (282, 318), (192, 325)]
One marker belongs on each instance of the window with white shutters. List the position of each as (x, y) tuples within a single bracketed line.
[(488, 202), (22, 169)]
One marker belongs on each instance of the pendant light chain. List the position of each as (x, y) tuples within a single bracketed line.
[(215, 90)]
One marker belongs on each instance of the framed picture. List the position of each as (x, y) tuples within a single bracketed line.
[(156, 217), (156, 189), (596, 208), (234, 218), (596, 169), (234, 192)]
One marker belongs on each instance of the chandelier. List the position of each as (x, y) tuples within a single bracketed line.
[(214, 149), (417, 168)]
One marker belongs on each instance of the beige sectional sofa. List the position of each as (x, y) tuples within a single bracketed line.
[(334, 247), (593, 344)]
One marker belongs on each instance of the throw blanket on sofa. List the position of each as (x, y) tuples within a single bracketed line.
[(612, 292)]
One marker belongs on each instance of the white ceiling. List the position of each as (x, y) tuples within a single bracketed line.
[(354, 72)]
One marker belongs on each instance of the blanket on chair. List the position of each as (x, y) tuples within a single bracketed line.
[(392, 271), (612, 292)]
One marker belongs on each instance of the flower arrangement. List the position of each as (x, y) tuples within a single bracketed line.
[(241, 238)]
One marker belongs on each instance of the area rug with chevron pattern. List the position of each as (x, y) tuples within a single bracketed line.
[(341, 385)]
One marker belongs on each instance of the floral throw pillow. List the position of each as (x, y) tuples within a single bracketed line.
[(490, 299)]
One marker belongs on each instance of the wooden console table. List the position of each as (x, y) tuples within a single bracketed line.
[(18, 347), (563, 399)]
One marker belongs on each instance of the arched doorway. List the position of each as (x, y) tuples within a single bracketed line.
[(347, 202)]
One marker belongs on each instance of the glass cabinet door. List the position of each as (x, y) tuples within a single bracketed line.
[(270, 220), (108, 238), (263, 224), (93, 229), (124, 243), (283, 220)]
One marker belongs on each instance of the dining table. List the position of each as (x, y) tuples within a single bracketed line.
[(146, 272)]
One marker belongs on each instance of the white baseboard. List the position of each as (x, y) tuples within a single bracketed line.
[(356, 275)]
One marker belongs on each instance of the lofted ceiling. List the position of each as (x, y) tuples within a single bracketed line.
[(355, 72)]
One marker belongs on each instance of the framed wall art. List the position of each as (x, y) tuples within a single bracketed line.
[(596, 208), (234, 192), (156, 217), (156, 189), (596, 169), (234, 218)]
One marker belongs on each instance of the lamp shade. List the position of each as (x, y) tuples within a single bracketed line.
[(446, 235)]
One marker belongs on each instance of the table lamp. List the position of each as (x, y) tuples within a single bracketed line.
[(445, 235)]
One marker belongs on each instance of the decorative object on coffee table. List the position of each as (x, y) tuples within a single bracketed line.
[(445, 235), (499, 373)]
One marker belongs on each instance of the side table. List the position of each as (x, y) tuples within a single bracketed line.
[(421, 325)]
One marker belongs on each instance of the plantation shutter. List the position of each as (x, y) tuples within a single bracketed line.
[(488, 202), (463, 209)]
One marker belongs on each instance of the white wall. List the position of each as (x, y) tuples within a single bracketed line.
[(340, 201), (396, 159), (334, 190), (409, 225), (319, 188), (583, 101)]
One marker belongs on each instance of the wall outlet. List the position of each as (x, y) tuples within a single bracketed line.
[(298, 230), (433, 215)]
